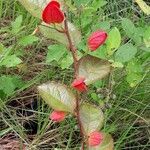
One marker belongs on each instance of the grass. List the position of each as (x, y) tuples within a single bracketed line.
[(24, 117)]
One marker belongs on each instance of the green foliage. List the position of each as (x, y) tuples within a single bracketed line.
[(8, 59), (114, 41), (92, 118), (57, 96), (125, 53), (93, 69), (55, 52), (16, 26), (8, 84), (27, 40)]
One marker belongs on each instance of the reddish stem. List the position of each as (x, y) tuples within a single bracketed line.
[(73, 50)]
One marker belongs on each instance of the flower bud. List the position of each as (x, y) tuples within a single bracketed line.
[(95, 138), (79, 84), (52, 13), (97, 39), (57, 116)]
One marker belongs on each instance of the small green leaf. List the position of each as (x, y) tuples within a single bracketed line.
[(128, 27), (93, 68), (114, 41), (107, 143), (134, 73), (16, 25), (58, 96), (66, 62), (91, 118), (55, 52), (125, 53), (8, 84), (27, 40), (147, 37), (11, 61)]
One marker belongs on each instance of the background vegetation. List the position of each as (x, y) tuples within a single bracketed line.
[(24, 119)]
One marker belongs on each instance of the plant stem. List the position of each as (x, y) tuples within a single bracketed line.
[(73, 50)]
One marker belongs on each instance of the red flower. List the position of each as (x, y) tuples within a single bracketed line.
[(95, 138), (52, 13), (96, 39), (57, 116), (79, 84)]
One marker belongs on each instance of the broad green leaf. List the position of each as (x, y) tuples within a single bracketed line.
[(125, 53), (57, 96), (27, 40), (113, 41), (55, 52), (16, 25), (128, 27), (51, 33), (93, 68), (144, 7), (8, 84), (134, 73), (11, 61), (66, 62), (91, 117), (107, 143)]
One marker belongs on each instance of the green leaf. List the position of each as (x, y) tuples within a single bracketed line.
[(107, 143), (128, 27), (66, 62), (125, 53), (16, 25), (113, 41), (147, 37), (91, 117), (57, 96), (55, 52), (27, 40), (11, 61), (134, 73), (8, 84), (49, 32), (93, 68), (144, 7)]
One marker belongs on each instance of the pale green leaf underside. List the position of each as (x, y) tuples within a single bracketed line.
[(107, 143), (61, 37), (57, 96), (93, 69), (91, 117)]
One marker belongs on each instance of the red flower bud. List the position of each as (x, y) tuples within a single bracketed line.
[(95, 138), (52, 13), (57, 116), (79, 84), (96, 39)]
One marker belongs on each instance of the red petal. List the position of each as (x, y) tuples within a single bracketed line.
[(79, 84), (96, 39), (58, 116), (52, 14), (54, 3), (95, 138)]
